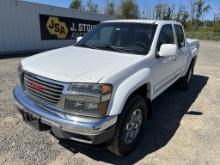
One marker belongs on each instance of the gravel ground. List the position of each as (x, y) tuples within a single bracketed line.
[(184, 129)]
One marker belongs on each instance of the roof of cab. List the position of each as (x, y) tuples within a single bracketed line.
[(142, 21)]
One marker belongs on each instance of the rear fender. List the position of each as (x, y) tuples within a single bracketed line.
[(193, 53)]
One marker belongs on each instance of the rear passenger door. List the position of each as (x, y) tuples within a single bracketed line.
[(182, 49)]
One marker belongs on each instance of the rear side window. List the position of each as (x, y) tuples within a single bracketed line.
[(166, 36), (180, 36)]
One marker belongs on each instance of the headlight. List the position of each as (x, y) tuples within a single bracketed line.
[(88, 99), (91, 88)]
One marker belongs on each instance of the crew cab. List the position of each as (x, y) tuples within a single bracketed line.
[(99, 90)]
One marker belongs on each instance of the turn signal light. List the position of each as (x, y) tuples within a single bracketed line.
[(106, 88)]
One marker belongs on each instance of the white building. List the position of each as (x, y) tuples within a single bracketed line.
[(29, 27)]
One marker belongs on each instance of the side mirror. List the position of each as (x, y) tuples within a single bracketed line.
[(167, 50), (78, 39)]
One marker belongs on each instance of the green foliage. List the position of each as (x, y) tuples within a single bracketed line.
[(192, 18), (92, 7), (211, 31), (163, 11), (203, 35), (76, 4), (217, 27), (129, 10), (110, 9), (200, 8), (182, 15)]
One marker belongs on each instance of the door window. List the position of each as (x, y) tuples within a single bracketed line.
[(166, 36), (180, 36)]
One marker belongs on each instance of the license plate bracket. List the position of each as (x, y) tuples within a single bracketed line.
[(34, 121)]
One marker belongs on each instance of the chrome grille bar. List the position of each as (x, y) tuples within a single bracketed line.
[(42, 93), (43, 82), (44, 99), (49, 92)]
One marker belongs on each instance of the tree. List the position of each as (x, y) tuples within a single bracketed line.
[(192, 10), (182, 15), (110, 8), (163, 11), (168, 13), (198, 9), (76, 4), (129, 9), (218, 11), (92, 7), (219, 6), (158, 10)]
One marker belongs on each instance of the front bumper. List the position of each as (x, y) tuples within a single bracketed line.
[(82, 129)]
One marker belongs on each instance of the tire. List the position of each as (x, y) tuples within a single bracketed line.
[(123, 143), (184, 82)]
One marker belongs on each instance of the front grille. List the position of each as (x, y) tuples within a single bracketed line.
[(41, 89)]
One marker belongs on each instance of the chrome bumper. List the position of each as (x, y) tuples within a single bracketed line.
[(77, 125)]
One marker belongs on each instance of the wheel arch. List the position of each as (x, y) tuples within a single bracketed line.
[(134, 85), (190, 62), (144, 91)]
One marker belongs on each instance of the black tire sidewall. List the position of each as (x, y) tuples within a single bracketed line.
[(136, 102), (190, 71), (183, 83)]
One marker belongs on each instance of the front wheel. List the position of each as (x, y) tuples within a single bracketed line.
[(129, 126)]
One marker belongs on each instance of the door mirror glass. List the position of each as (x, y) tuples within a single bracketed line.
[(167, 50)]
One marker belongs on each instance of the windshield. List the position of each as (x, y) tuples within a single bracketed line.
[(134, 38)]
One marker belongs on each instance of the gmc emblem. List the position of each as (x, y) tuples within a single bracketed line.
[(37, 86)]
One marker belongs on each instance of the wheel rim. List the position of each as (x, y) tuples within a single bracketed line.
[(133, 126)]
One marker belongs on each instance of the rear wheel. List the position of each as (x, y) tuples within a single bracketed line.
[(184, 82), (129, 126)]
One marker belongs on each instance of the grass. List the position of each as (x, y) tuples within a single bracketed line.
[(204, 35)]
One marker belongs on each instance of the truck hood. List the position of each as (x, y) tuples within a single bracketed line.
[(77, 64)]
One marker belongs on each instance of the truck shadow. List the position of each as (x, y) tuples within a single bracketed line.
[(168, 110)]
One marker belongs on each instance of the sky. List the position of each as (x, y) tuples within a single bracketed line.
[(148, 3)]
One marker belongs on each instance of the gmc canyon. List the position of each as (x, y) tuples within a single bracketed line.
[(100, 90)]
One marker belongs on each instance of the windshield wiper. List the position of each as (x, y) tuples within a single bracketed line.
[(87, 46), (112, 48), (115, 48), (136, 51)]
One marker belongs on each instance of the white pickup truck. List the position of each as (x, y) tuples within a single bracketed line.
[(100, 90)]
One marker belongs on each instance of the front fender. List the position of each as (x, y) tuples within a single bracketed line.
[(126, 88)]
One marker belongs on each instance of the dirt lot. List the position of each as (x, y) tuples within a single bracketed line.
[(185, 128)]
